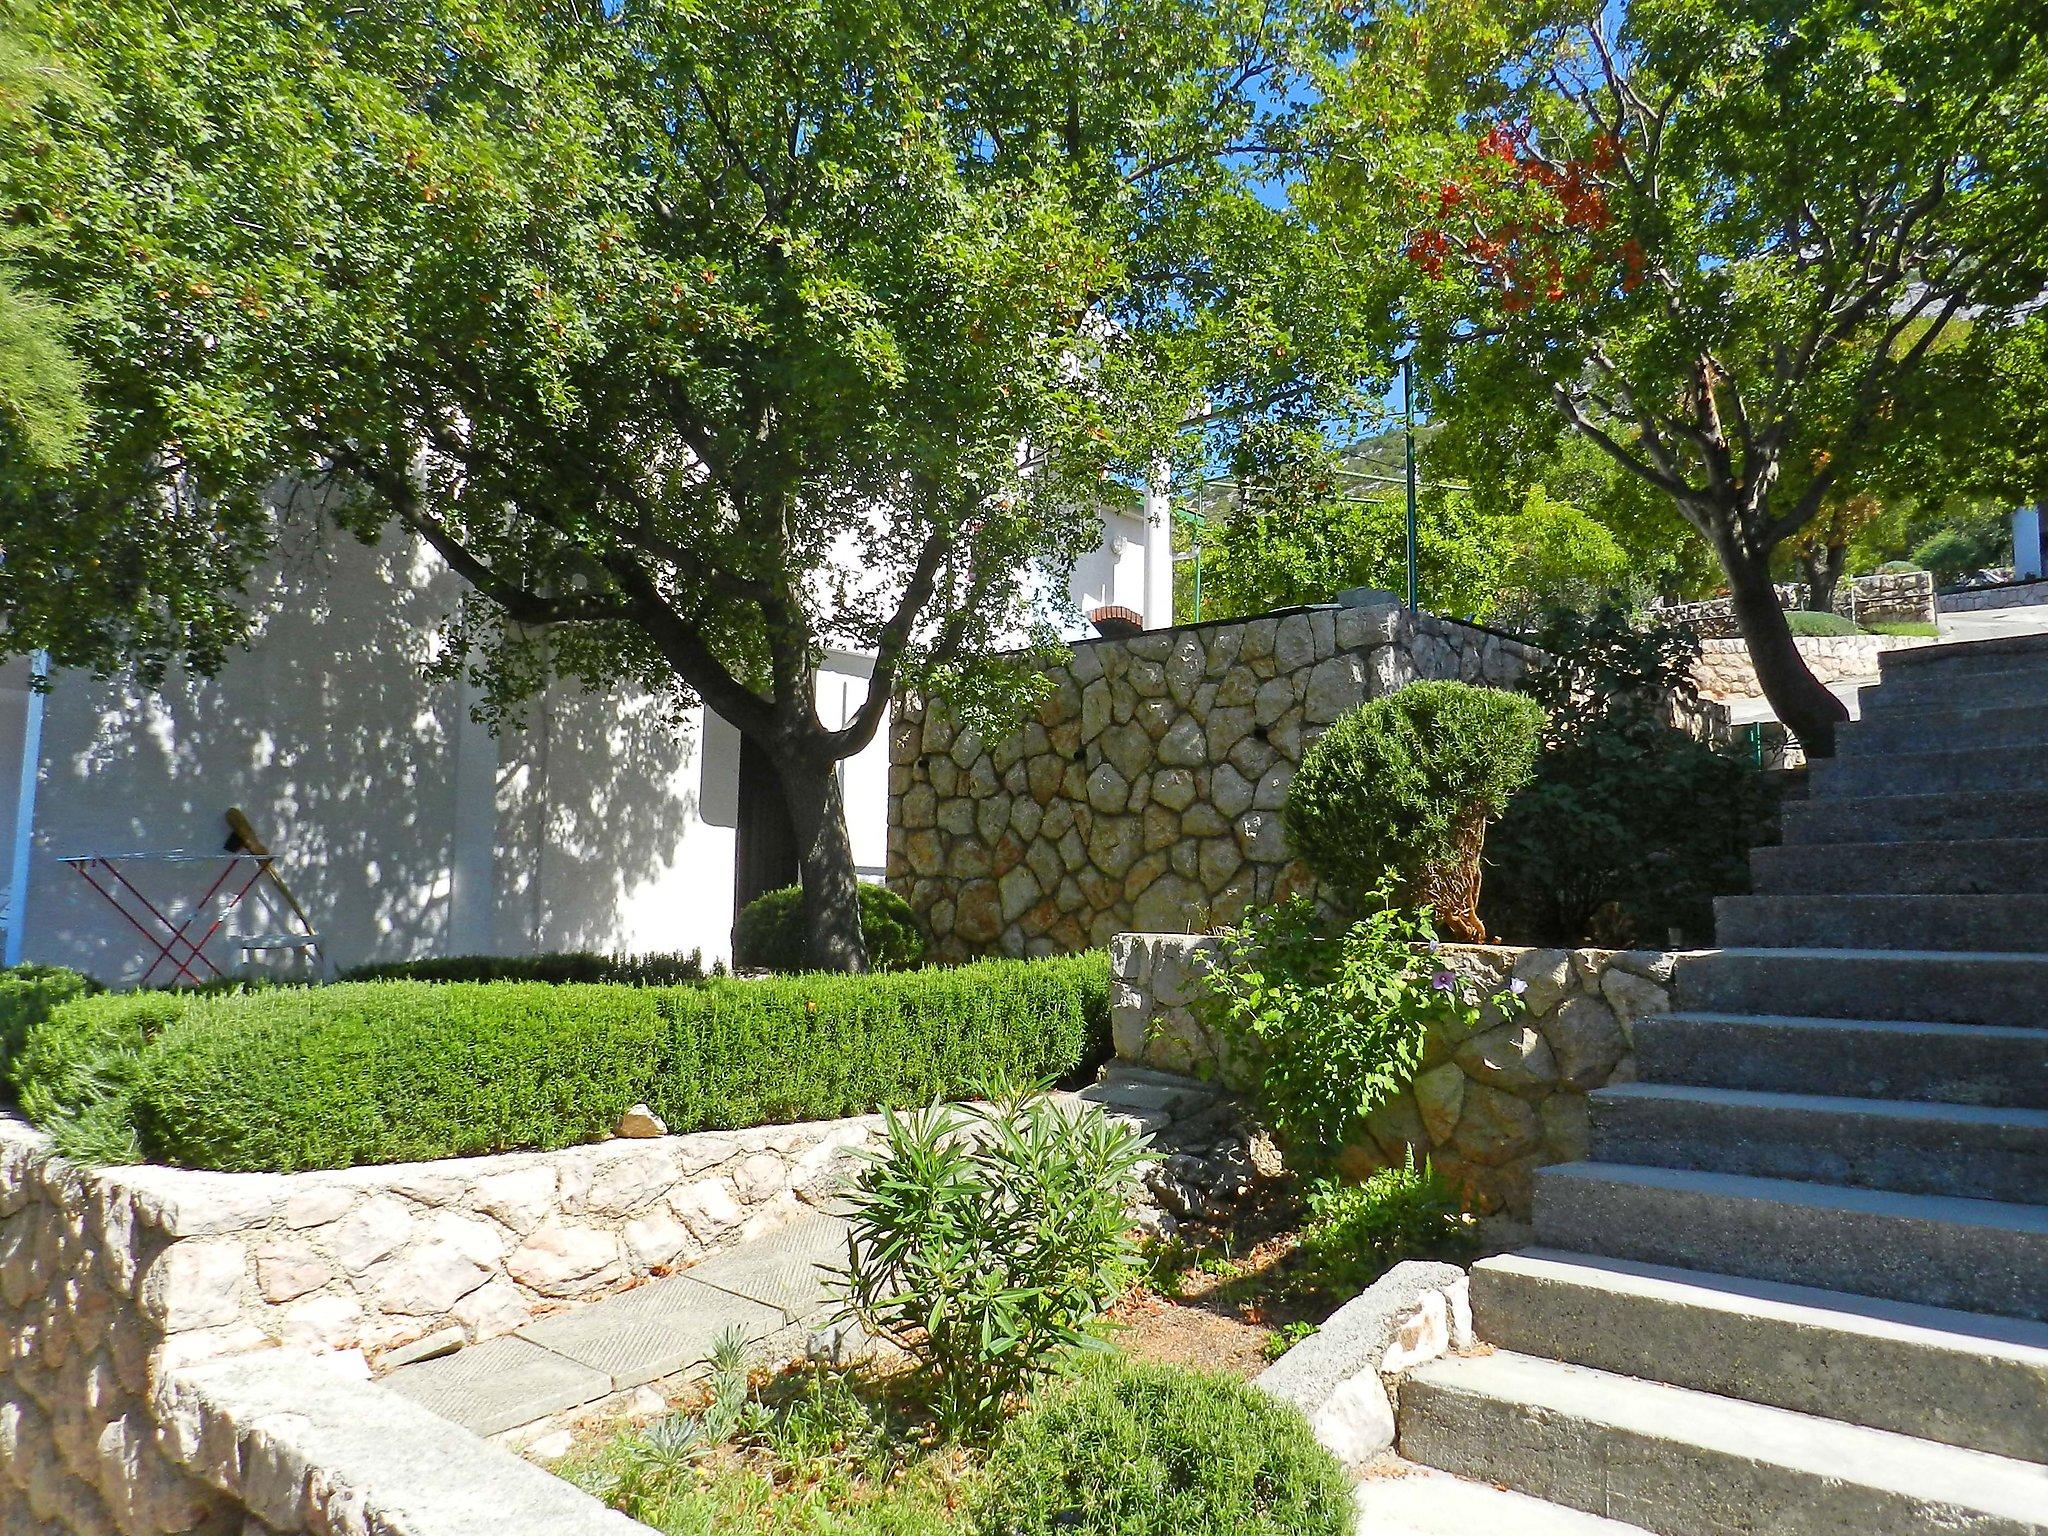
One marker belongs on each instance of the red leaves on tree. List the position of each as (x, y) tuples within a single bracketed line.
[(1528, 224)]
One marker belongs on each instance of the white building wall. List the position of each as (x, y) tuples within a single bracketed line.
[(404, 827)]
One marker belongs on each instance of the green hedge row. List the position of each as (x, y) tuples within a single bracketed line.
[(28, 995), (376, 1072), (661, 969)]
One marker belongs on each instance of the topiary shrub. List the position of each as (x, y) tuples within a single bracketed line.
[(663, 969), (28, 995), (1127, 1449), (1404, 786), (770, 934)]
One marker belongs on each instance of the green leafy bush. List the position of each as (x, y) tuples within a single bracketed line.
[(1955, 552), (28, 995), (370, 1072), (1805, 622), (1404, 786), (1126, 1449), (1357, 1232), (984, 1241), (1897, 568), (770, 934), (1631, 827), (1325, 1026), (664, 969)]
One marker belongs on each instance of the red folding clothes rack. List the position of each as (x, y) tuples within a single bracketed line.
[(170, 938)]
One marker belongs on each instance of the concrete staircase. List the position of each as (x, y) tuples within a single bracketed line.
[(1801, 1288)]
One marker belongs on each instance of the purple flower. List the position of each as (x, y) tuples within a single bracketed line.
[(1435, 945), (1444, 981), (1518, 986)]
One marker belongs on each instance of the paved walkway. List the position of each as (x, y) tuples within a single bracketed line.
[(772, 1288)]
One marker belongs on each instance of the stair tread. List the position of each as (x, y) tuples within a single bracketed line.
[(1924, 1111), (1868, 956), (1960, 1032), (1824, 1449), (2012, 1338), (1421, 1501), (1955, 1210)]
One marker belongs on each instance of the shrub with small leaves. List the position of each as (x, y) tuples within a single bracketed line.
[(28, 995), (1126, 1449), (770, 934), (984, 1241), (1325, 1024), (1403, 787), (1357, 1232), (660, 969)]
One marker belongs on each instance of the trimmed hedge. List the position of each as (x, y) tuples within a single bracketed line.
[(665, 969), (770, 934), (28, 995), (376, 1072)]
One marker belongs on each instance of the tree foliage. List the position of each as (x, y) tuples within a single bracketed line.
[(701, 339), (1726, 242)]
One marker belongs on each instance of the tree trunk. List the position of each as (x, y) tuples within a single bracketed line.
[(1798, 697), (817, 813), (1821, 565)]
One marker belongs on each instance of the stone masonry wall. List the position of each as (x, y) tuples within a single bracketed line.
[(1145, 794), (1891, 597), (110, 1278), (1487, 1109), (2012, 594), (1726, 672)]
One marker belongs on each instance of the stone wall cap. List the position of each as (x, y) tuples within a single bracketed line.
[(297, 1441), (1355, 1337)]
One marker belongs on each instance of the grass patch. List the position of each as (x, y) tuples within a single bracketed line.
[(1913, 627)]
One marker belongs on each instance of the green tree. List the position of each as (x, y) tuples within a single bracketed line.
[(698, 338), (1725, 242), (42, 387)]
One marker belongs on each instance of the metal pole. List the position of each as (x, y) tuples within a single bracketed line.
[(1408, 411), (1198, 574)]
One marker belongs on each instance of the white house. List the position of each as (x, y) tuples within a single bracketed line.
[(404, 828)]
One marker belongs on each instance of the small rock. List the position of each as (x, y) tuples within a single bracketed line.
[(640, 1121), (552, 1446)]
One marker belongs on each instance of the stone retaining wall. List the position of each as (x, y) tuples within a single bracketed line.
[(111, 1278), (1146, 792), (1892, 597), (1486, 1109), (2017, 594), (1725, 671)]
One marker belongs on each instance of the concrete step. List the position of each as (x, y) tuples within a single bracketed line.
[(1976, 924), (1973, 655), (1964, 867), (1689, 1463), (1919, 1148), (1939, 729), (1932, 985), (1943, 772), (1960, 1378), (1853, 1058), (1978, 815), (1974, 1255), (1986, 687), (1407, 1500)]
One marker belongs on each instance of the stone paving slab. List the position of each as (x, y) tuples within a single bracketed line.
[(661, 1329), (499, 1384), (781, 1268)]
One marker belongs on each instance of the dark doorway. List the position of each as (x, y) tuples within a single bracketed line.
[(765, 859)]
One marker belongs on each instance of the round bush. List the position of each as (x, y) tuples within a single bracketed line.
[(1897, 568), (1404, 787), (770, 934), (1124, 1449)]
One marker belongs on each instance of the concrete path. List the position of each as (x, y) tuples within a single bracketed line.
[(772, 1289)]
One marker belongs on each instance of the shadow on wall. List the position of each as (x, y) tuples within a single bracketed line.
[(401, 826)]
